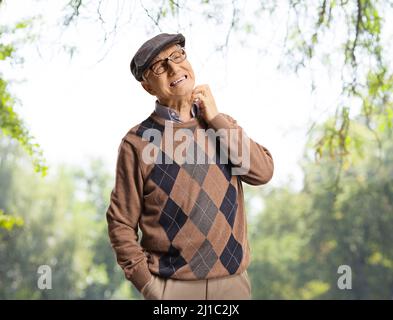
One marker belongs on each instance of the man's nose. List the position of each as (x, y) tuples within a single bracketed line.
[(172, 67)]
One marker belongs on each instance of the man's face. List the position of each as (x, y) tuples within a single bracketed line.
[(176, 83)]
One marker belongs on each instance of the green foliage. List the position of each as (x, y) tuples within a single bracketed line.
[(11, 124), (5, 51), (64, 227), (8, 222), (301, 238)]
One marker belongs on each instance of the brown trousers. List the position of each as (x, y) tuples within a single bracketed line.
[(235, 287)]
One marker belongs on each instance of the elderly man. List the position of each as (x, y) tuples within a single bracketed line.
[(188, 205)]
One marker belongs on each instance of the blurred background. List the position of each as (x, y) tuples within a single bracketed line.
[(312, 81)]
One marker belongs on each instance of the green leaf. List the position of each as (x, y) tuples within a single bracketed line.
[(8, 222)]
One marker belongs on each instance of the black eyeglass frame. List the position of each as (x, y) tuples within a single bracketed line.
[(170, 57)]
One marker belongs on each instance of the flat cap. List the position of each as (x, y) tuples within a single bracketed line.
[(150, 49)]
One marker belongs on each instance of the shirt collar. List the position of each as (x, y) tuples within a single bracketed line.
[(171, 114)]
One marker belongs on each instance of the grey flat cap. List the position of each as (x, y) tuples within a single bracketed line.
[(150, 49)]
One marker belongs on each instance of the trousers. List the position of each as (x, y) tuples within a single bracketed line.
[(234, 287)]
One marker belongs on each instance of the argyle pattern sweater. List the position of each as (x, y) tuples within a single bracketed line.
[(191, 215)]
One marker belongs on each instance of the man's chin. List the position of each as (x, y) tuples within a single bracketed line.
[(182, 93)]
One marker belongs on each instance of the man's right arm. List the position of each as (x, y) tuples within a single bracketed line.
[(126, 204)]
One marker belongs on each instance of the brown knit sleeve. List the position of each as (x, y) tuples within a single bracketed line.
[(259, 167), (125, 208)]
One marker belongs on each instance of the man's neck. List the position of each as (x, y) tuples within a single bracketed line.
[(183, 108)]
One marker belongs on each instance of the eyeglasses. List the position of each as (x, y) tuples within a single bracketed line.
[(161, 66)]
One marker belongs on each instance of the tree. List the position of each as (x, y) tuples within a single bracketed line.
[(63, 229), (301, 238), (11, 124)]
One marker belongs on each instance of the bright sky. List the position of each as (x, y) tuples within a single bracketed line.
[(81, 108)]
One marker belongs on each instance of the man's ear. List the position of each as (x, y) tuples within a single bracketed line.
[(147, 87)]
